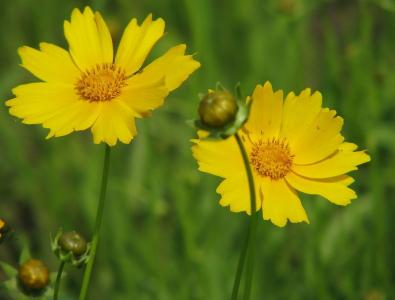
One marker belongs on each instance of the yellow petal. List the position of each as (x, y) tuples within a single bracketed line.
[(235, 193), (143, 95), (105, 39), (37, 102), (281, 203), (335, 189), (55, 106), (136, 43), (266, 111), (341, 162), (321, 139), (78, 116), (89, 39), (174, 66), (299, 113), (115, 122), (220, 158), (51, 63)]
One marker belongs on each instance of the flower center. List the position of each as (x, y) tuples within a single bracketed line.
[(101, 83), (271, 158)]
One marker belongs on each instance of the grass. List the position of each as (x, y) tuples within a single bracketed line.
[(165, 236)]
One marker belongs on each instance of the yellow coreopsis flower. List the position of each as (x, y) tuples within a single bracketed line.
[(86, 87), (292, 145)]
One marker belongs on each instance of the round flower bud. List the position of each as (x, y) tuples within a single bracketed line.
[(72, 242), (217, 109), (33, 276)]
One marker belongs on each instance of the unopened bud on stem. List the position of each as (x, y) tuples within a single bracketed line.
[(217, 109), (33, 277), (72, 242)]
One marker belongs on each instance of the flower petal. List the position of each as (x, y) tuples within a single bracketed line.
[(174, 66), (115, 122), (299, 113), (235, 193), (46, 63), (343, 161), (320, 140), (55, 106), (136, 43), (220, 158), (281, 203), (37, 102), (89, 39), (105, 39), (266, 111), (335, 189), (143, 95), (78, 116)]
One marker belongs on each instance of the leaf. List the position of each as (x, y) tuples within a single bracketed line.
[(9, 270), (25, 255)]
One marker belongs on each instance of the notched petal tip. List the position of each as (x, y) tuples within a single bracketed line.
[(283, 222), (366, 156), (22, 50), (88, 10), (266, 85), (148, 18), (317, 94), (305, 93), (10, 102), (75, 13)]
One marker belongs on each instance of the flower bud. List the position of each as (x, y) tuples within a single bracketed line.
[(33, 276), (72, 242), (217, 109)]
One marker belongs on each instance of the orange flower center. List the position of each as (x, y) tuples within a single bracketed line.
[(271, 158), (101, 83)]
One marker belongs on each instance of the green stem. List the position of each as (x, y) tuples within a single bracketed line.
[(96, 232), (240, 266), (57, 282), (251, 256), (248, 248)]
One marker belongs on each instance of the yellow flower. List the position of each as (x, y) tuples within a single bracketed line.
[(292, 145), (86, 87)]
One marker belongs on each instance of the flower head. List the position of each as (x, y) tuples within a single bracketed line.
[(292, 144), (217, 109), (87, 87), (33, 277), (71, 247)]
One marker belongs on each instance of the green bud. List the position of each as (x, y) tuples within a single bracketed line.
[(71, 247), (73, 242), (33, 277), (217, 109)]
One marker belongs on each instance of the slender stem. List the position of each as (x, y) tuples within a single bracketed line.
[(57, 282), (240, 266), (251, 256), (248, 248), (96, 231)]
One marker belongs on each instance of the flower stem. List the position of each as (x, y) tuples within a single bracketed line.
[(96, 232), (239, 272), (251, 256), (248, 249), (57, 282)]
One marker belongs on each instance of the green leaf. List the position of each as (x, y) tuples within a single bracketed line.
[(9, 270), (25, 255)]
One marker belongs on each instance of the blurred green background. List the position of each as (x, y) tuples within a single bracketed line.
[(165, 236)]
